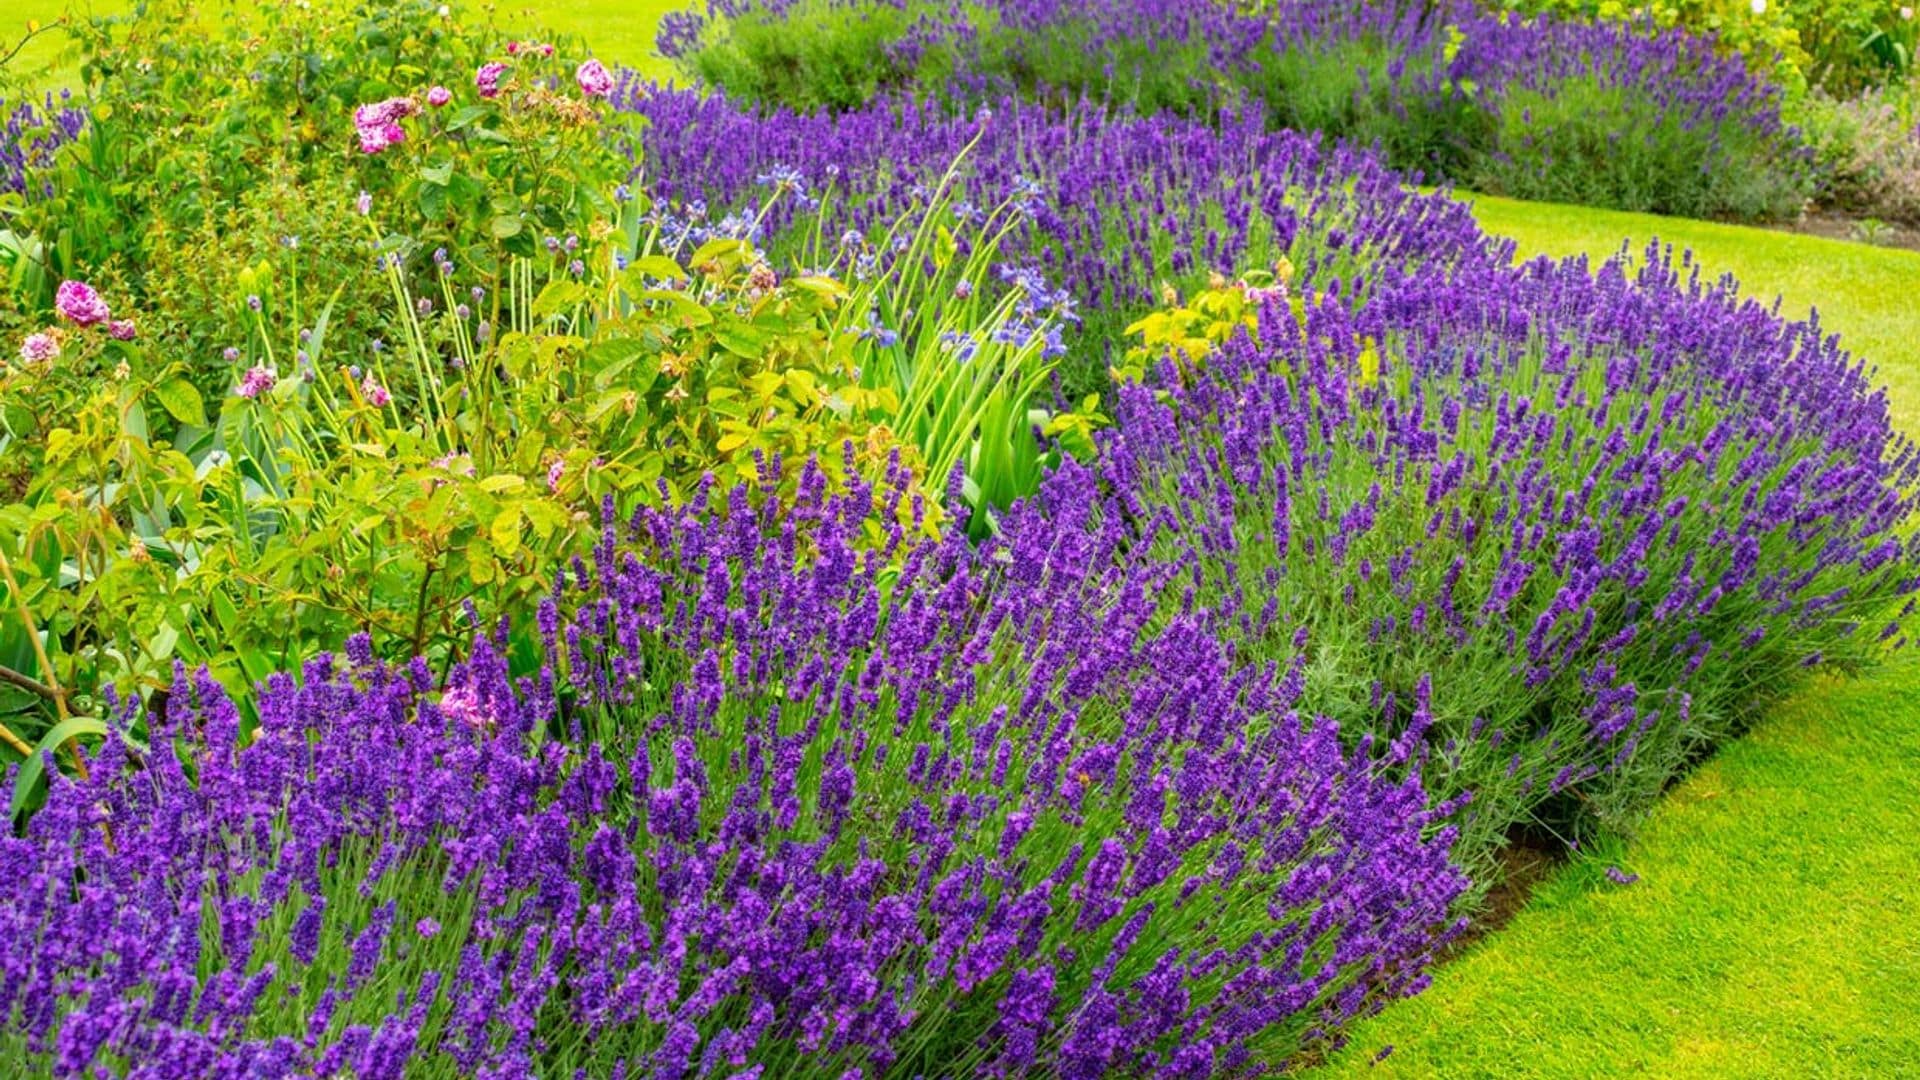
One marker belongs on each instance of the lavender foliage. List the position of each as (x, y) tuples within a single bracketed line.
[(32, 133), (780, 800), (1117, 203), (1582, 521), (1448, 88)]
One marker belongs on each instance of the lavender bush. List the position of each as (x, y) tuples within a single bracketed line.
[(779, 800), (31, 133), (1581, 522), (1448, 88), (1118, 204)]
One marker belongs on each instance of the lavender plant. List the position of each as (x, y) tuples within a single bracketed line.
[(1113, 206), (1583, 522), (1446, 88), (779, 800)]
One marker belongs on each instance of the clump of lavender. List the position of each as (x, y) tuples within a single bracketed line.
[(32, 133), (780, 799), (1580, 520), (1117, 204), (1617, 114)]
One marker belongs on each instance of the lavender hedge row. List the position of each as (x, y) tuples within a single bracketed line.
[(1120, 204), (1577, 524), (1201, 754), (779, 801), (1607, 114)]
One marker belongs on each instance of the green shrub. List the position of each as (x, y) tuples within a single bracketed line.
[(1345, 88), (820, 55), (1591, 144), (1841, 46), (417, 408), (199, 128), (1868, 150)]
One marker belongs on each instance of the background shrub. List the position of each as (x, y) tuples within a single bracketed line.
[(1835, 45), (1448, 89), (1868, 148), (1590, 143)]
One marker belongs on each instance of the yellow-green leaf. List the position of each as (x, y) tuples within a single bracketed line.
[(181, 400), (505, 530)]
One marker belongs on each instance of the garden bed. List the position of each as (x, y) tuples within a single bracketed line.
[(517, 570)]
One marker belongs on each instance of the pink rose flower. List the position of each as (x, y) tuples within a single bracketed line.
[(461, 704), (594, 79), (439, 96), (379, 123), (374, 139), (77, 302), (376, 395), (40, 347), (121, 330), (487, 79)]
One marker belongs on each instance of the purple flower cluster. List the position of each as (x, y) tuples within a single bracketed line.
[(1444, 87), (778, 797), (31, 134), (1587, 517), (1116, 203)]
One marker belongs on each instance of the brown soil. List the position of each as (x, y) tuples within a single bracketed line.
[(1524, 863), (1836, 226)]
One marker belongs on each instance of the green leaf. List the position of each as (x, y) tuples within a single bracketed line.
[(657, 266), (695, 313), (715, 249), (31, 774), (481, 566), (466, 116), (181, 400), (163, 642), (503, 482), (740, 339), (505, 530), (559, 296), (806, 388), (505, 225), (608, 401), (224, 611), (822, 286)]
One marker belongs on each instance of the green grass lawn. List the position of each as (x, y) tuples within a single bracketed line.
[(1774, 931), (1775, 928)]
